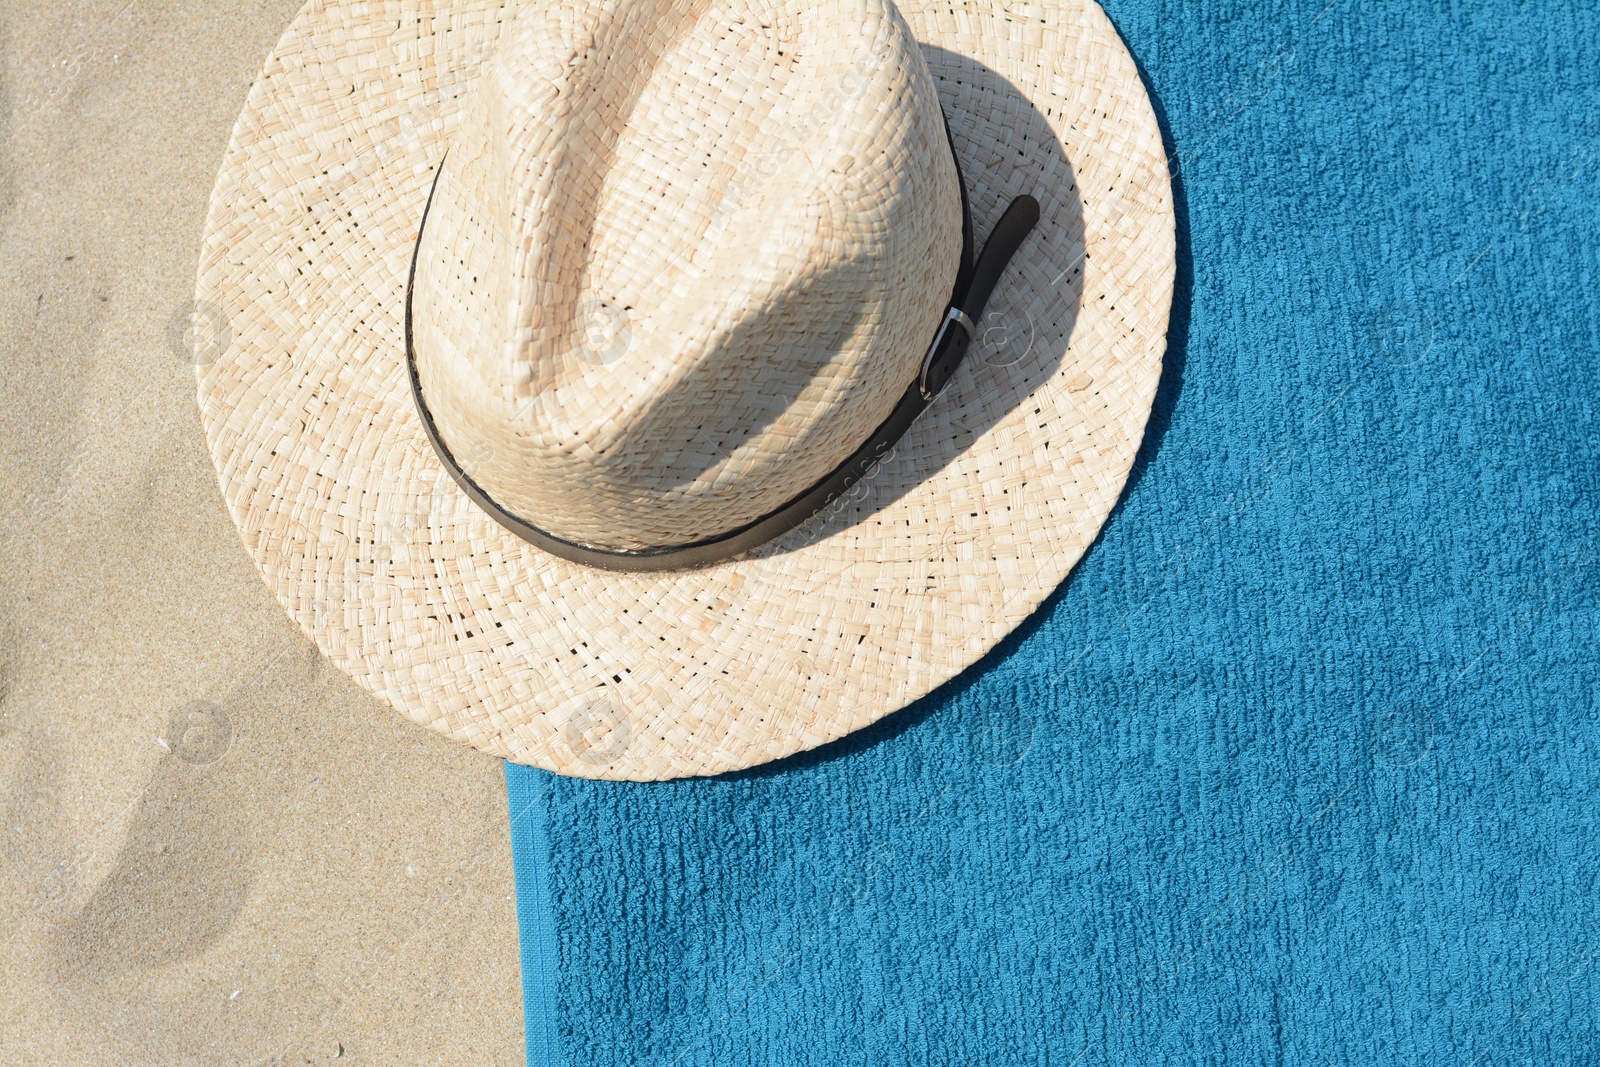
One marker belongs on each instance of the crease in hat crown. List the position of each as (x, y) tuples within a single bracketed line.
[(683, 258)]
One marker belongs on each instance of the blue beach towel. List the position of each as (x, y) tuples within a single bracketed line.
[(1302, 764)]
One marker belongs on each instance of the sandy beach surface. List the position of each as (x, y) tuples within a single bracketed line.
[(216, 849)]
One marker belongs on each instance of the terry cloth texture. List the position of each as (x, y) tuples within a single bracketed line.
[(1302, 765)]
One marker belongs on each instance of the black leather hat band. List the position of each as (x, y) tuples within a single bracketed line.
[(975, 281)]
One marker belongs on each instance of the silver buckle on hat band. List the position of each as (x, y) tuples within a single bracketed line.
[(961, 319)]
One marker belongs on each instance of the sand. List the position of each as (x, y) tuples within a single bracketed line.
[(217, 849)]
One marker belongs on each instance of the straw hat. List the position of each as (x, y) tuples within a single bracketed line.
[(612, 385)]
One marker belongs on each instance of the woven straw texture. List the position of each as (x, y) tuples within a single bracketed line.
[(658, 296), (981, 511)]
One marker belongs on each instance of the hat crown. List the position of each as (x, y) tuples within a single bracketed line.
[(682, 259)]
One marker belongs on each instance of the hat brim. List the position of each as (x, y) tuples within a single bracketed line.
[(982, 510)]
